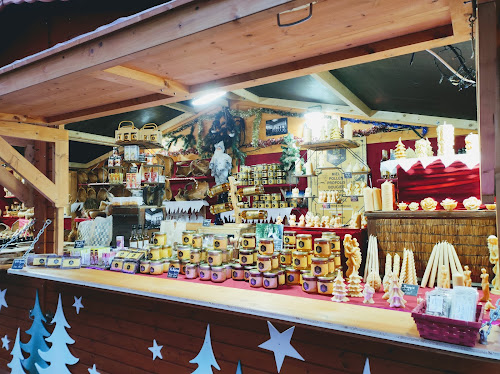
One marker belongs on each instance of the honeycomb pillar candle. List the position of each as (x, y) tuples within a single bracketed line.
[(348, 131), (368, 199), (377, 199), (387, 196), (458, 280)]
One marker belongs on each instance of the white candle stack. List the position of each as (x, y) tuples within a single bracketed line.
[(445, 140), (387, 196), (377, 199), (443, 253), (348, 131), (372, 261), (408, 272), (396, 265), (309, 168), (368, 199)]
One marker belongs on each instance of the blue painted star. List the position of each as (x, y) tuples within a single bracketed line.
[(5, 342), (78, 304), (93, 370), (2, 299), (156, 349)]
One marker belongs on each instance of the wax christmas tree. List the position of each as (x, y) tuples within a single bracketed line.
[(355, 289), (396, 299), (17, 357), (205, 358), (400, 150), (423, 148), (387, 284), (339, 290)]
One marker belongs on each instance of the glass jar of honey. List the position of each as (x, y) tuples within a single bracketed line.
[(319, 266), (325, 285), (191, 271), (322, 247), (145, 266), (238, 273), (184, 252), (264, 263), (155, 253), (289, 238), (225, 255), (187, 237), (270, 280), (175, 263), (195, 256), (248, 241), (197, 240), (285, 258), (166, 251), (266, 246), (203, 255), (275, 262), (218, 274), (292, 276), (246, 256), (302, 272), (331, 264), (255, 278), (299, 260), (184, 263), (281, 276), (214, 257), (304, 242), (156, 268), (220, 241), (166, 264), (247, 270), (309, 283), (205, 272)]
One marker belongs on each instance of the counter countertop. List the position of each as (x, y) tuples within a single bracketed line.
[(372, 322)]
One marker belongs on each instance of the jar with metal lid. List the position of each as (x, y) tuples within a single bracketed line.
[(183, 266), (304, 242), (292, 276), (302, 272), (322, 247), (195, 256), (166, 264), (283, 204), (155, 253), (270, 280), (159, 239), (175, 263), (275, 204), (255, 255), (156, 267), (325, 285), (255, 278), (268, 205), (319, 266), (197, 240), (263, 181), (266, 246), (289, 238), (246, 256), (229, 270), (247, 272), (203, 255), (248, 240), (214, 257), (220, 241), (331, 264), (310, 255), (264, 263), (184, 252), (275, 197), (271, 180), (145, 266), (191, 271), (218, 274), (205, 272), (275, 261), (299, 260), (166, 251), (285, 257), (281, 276), (238, 273), (271, 174), (309, 283), (187, 237)]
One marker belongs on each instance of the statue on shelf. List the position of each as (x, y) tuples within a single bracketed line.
[(279, 220), (302, 221), (493, 247), (220, 164), (485, 285), (292, 220), (309, 220), (324, 221), (467, 279), (316, 221), (352, 253)]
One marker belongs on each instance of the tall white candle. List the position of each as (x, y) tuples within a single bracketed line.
[(387, 196), (368, 199), (348, 131), (377, 199)]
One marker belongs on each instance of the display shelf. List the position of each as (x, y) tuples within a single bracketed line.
[(305, 176), (329, 144), (438, 214), (185, 179), (360, 172), (141, 144), (269, 185), (329, 168)]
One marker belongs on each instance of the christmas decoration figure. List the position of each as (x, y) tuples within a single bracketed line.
[(493, 247), (58, 355), (354, 288), (220, 164), (423, 148), (352, 253), (292, 220), (290, 154), (17, 357), (467, 279), (37, 343), (339, 290), (387, 284), (485, 285), (302, 220), (444, 277), (368, 293), (396, 299), (400, 150), (205, 358)]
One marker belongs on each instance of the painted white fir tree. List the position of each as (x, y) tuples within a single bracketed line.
[(58, 355), (354, 288), (396, 296), (16, 365), (38, 333), (339, 290), (205, 358)]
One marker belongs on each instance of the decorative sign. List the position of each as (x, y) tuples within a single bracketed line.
[(18, 264), (270, 230), (79, 243), (410, 289), (276, 126), (354, 198), (153, 217), (347, 175), (173, 273), (207, 222)]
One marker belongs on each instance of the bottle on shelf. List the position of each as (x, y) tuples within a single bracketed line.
[(219, 208), (140, 239), (217, 190), (133, 238), (253, 190), (145, 237), (253, 214)]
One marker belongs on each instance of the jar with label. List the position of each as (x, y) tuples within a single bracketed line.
[(285, 258), (225, 255), (220, 208), (283, 204), (214, 257), (238, 273), (322, 247), (281, 276), (302, 272), (247, 270), (275, 261), (156, 268), (248, 240), (159, 239), (325, 285), (220, 241), (191, 271), (155, 253), (304, 242), (246, 256), (292, 276), (203, 255), (144, 267), (166, 251), (266, 246), (175, 263), (184, 263), (166, 264), (331, 264), (197, 240), (289, 238), (299, 259), (309, 283), (195, 256), (218, 274), (319, 266), (184, 252), (254, 214), (264, 263), (270, 280), (275, 204), (187, 237), (205, 272), (229, 270), (268, 205), (217, 190), (255, 278)]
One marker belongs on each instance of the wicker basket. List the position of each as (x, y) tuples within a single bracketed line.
[(446, 329)]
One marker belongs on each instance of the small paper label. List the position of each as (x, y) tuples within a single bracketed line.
[(79, 243), (347, 175), (435, 304), (326, 205), (18, 264), (173, 272), (207, 222), (354, 198), (410, 289)]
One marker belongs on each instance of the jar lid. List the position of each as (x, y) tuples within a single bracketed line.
[(319, 259), (270, 275), (185, 261), (286, 251), (217, 268), (237, 267), (274, 255), (291, 269), (246, 251), (165, 259), (264, 257), (197, 235), (300, 253), (195, 250), (322, 240), (175, 260), (267, 240), (227, 265), (308, 277), (304, 236), (213, 252), (183, 247), (155, 247), (205, 266), (325, 279), (158, 262), (220, 237), (145, 262), (248, 235), (225, 250), (305, 271), (191, 266), (188, 232), (255, 273), (249, 267), (289, 233)]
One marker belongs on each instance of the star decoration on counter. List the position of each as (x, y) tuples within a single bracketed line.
[(78, 304), (156, 349), (280, 345), (2, 299), (5, 342), (93, 370)]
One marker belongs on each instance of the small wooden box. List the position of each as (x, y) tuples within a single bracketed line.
[(150, 133), (126, 132)]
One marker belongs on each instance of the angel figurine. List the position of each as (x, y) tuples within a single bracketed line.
[(309, 220), (220, 164), (324, 221), (292, 220), (302, 220), (368, 293), (352, 253), (279, 220), (316, 221), (493, 247)]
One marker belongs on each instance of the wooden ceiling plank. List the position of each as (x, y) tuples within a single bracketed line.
[(342, 92), (247, 95), (182, 107), (22, 118), (16, 187), (32, 132), (77, 165), (460, 11), (85, 137), (175, 121)]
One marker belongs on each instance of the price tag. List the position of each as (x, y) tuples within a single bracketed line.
[(173, 273), (207, 222), (326, 205), (348, 175), (18, 264), (354, 198), (410, 289), (79, 243)]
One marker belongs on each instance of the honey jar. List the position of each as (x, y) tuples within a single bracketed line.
[(304, 242), (184, 263), (309, 283), (319, 266), (275, 262), (220, 241), (255, 255), (156, 268), (187, 237), (275, 197), (275, 204), (247, 270), (322, 247), (144, 267), (265, 197), (266, 246), (225, 255), (195, 256), (175, 263), (155, 253), (214, 257), (268, 205), (310, 255), (218, 274), (289, 238), (117, 264), (331, 264), (325, 285), (270, 280), (184, 252), (159, 239), (302, 272), (255, 278), (205, 272), (299, 260), (283, 204), (264, 263), (203, 255), (248, 241), (292, 276), (191, 271), (197, 240), (238, 273), (166, 264), (246, 256), (229, 270), (285, 257), (166, 251), (281, 276)]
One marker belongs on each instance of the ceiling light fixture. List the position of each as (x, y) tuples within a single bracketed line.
[(205, 99)]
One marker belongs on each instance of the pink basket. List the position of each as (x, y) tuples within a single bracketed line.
[(447, 330)]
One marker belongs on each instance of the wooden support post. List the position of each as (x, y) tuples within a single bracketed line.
[(14, 185), (234, 199)]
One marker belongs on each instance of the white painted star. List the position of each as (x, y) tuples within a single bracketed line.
[(2, 299), (78, 304), (156, 349), (280, 345), (93, 370), (5, 342)]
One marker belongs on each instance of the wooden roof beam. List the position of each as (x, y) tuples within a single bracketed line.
[(247, 95), (460, 11), (182, 108), (7, 117), (85, 137), (342, 92), (16, 187), (32, 132)]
